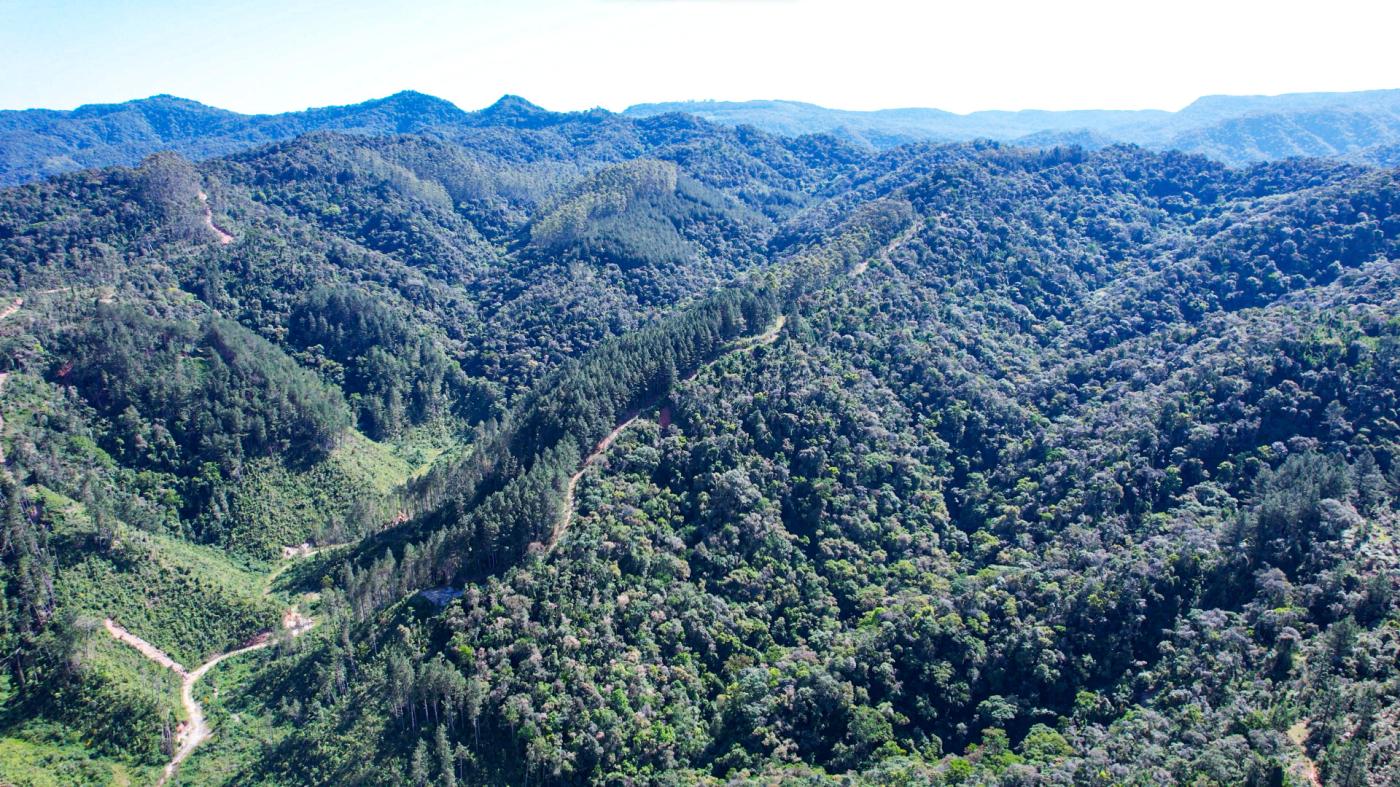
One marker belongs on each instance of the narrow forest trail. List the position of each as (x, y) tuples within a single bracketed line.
[(884, 255), (224, 238), (1304, 768), (15, 304), (566, 516), (4, 380), (769, 335), (5, 376)]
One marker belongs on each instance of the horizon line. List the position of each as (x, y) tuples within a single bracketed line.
[(634, 105)]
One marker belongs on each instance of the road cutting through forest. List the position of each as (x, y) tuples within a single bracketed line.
[(224, 238), (884, 255), (566, 516), (196, 729)]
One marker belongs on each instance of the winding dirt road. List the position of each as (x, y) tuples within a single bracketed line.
[(196, 730), (147, 649), (566, 516), (769, 335)]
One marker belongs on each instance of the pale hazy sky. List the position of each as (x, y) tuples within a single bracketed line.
[(277, 55)]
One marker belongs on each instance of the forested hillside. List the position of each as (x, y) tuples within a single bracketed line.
[(585, 449), (1233, 129), (39, 142), (1364, 125)]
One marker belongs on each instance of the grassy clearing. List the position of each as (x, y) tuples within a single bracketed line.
[(188, 600), (55, 763), (42, 752), (376, 464)]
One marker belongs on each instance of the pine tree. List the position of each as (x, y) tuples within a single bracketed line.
[(447, 777), (418, 767)]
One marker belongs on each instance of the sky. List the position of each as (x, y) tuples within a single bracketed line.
[(279, 55)]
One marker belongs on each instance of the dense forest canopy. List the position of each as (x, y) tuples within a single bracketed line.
[(515, 447), (1361, 126)]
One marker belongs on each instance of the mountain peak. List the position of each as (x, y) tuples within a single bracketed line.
[(416, 107), (161, 102), (513, 103), (414, 100), (512, 110)]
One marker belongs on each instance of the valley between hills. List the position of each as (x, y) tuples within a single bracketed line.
[(396, 444)]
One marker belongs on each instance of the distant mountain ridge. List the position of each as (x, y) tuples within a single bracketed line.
[(36, 143), (1233, 129), (1364, 126)]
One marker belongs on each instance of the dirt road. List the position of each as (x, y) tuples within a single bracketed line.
[(884, 255), (147, 649), (196, 730), (566, 517), (224, 238)]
